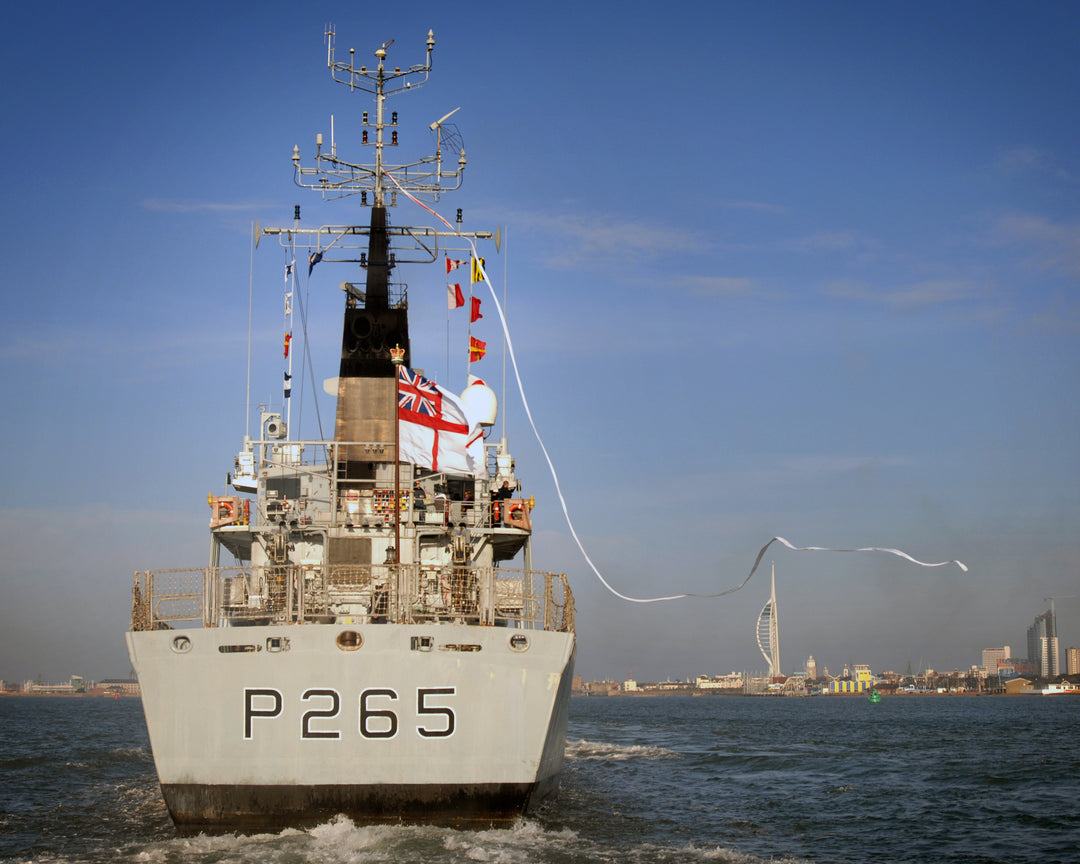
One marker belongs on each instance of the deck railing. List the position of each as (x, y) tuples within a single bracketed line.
[(374, 594), (369, 501)]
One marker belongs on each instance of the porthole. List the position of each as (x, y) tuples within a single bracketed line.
[(519, 642), (349, 640), (181, 644)]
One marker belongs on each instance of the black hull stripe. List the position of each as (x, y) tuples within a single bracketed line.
[(198, 807)]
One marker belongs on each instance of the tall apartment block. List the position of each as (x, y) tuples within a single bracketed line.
[(1043, 644)]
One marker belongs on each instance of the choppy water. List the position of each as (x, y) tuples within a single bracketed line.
[(720, 779)]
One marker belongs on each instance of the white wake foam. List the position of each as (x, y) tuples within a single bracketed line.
[(586, 751)]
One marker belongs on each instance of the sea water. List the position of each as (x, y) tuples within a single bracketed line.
[(671, 779)]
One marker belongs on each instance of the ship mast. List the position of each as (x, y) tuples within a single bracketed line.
[(375, 331), (334, 177)]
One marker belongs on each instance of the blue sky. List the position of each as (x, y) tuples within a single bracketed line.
[(787, 268)]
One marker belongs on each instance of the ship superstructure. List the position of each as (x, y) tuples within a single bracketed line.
[(369, 636)]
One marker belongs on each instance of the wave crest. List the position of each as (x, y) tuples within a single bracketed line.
[(592, 751)]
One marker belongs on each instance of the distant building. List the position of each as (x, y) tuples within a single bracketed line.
[(74, 685), (991, 656), (861, 681), (768, 631), (811, 668), (1072, 661), (734, 681), (1017, 685), (124, 686), (1043, 643), (1016, 666)]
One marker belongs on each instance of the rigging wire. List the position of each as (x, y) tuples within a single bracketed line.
[(302, 306), (555, 477)]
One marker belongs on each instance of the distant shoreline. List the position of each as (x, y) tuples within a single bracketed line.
[(661, 694), (98, 694)]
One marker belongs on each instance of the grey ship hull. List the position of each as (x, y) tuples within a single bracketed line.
[(277, 725)]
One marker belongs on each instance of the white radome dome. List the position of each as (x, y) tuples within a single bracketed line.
[(480, 402)]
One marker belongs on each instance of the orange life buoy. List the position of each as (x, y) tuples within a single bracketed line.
[(223, 509), (518, 516)]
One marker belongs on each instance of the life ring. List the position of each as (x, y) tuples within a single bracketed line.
[(496, 511), (518, 515), (224, 510)]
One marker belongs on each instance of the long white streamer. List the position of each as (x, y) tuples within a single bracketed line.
[(555, 476)]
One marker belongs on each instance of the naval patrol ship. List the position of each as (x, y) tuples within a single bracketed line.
[(369, 636)]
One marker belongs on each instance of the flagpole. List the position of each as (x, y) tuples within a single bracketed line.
[(290, 287), (288, 373), (397, 356)]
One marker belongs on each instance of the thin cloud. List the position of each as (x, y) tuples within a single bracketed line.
[(1054, 245), (758, 207), (595, 239), (158, 349), (772, 473), (718, 286), (819, 466), (826, 241), (165, 205), (909, 298), (1020, 158), (1061, 319), (1031, 160)]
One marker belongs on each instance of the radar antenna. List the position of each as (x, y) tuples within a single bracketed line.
[(337, 178)]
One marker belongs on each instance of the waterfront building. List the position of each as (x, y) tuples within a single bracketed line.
[(860, 682), (811, 668), (991, 656), (1072, 661), (122, 686), (734, 681), (1016, 666), (1017, 685), (74, 685), (1043, 643), (768, 631)]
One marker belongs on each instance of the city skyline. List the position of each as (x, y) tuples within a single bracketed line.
[(768, 638)]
